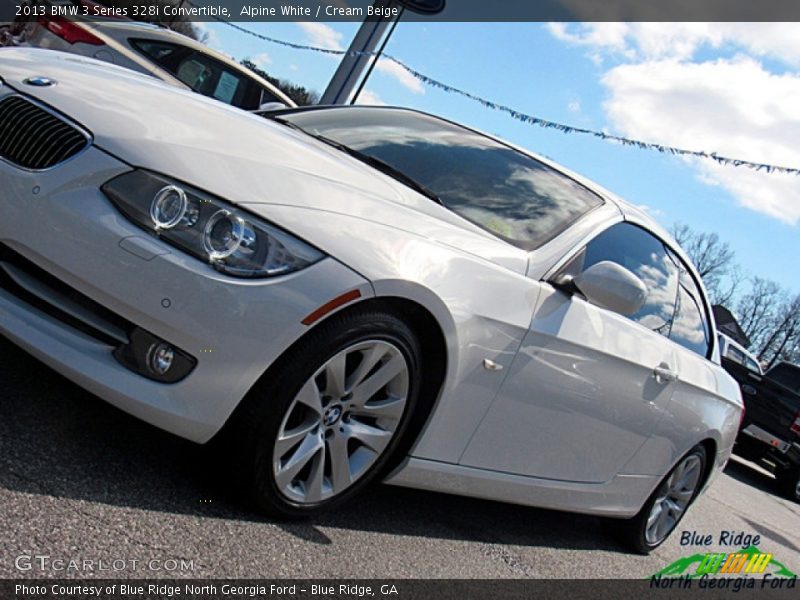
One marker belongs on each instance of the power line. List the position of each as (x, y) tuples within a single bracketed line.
[(526, 118)]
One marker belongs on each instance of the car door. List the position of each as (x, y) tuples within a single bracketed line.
[(697, 390), (588, 385), (741, 367)]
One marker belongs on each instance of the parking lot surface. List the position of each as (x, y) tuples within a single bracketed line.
[(82, 481)]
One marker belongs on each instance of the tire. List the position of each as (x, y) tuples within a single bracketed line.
[(667, 504), (324, 422), (789, 483)]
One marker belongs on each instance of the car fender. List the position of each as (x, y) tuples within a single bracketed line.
[(482, 308)]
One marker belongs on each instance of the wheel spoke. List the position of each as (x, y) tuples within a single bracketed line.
[(369, 359), (374, 438), (391, 408), (309, 396), (658, 508), (335, 375), (665, 524), (677, 475), (673, 507), (288, 439), (383, 376), (689, 475), (683, 496), (313, 485), (341, 477), (305, 452)]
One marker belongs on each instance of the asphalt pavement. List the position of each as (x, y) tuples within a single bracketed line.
[(100, 494)]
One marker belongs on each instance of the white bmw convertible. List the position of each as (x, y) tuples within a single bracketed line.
[(352, 293)]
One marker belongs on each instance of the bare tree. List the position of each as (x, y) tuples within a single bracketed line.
[(711, 256), (756, 309), (782, 339), (714, 261), (791, 352), (298, 93), (726, 290)]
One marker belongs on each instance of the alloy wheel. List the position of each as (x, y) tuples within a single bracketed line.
[(673, 499), (341, 421)]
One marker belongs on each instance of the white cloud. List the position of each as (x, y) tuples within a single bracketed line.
[(655, 212), (319, 34), (647, 41), (609, 36), (402, 76), (574, 106), (730, 106), (660, 91), (208, 36), (261, 60), (322, 35), (370, 98)]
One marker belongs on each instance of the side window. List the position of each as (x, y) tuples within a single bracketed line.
[(644, 255), (735, 354), (753, 366), (691, 328), (203, 73), (268, 96)]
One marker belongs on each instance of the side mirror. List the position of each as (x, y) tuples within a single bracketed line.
[(612, 286)]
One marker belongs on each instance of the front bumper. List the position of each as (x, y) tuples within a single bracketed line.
[(60, 221)]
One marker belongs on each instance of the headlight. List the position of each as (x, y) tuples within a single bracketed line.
[(208, 228)]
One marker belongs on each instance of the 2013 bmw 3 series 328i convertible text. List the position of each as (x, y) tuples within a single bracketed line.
[(352, 293)]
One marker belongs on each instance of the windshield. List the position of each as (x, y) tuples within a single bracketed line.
[(502, 190)]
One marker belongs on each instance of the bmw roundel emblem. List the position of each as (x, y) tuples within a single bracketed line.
[(40, 81)]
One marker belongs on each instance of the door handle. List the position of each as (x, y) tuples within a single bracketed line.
[(664, 374)]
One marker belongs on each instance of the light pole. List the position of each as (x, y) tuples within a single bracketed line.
[(362, 48)]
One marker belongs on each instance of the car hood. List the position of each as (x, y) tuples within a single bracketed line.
[(238, 156)]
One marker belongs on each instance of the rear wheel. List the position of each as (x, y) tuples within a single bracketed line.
[(328, 422), (789, 481), (667, 505)]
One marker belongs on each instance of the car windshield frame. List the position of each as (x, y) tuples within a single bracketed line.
[(597, 200)]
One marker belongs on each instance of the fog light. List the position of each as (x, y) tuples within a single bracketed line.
[(159, 358), (154, 358)]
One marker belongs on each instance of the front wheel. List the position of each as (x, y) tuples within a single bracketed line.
[(667, 505), (330, 419)]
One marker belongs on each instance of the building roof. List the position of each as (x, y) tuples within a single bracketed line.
[(728, 325)]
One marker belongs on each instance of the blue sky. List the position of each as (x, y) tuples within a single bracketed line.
[(730, 88)]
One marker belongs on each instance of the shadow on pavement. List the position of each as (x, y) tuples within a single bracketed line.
[(758, 478), (771, 534), (58, 440)]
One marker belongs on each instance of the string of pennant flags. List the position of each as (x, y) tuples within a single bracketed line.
[(526, 118)]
